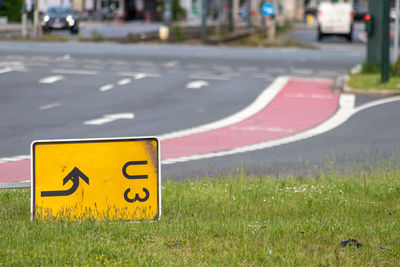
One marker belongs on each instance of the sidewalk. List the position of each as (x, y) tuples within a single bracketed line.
[(108, 29)]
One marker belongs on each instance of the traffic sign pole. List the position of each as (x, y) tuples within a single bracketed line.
[(268, 11)]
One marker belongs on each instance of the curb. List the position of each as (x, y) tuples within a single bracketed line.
[(357, 91)]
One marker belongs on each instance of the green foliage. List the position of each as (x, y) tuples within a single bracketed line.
[(177, 32), (396, 67), (177, 11), (369, 68), (12, 10)]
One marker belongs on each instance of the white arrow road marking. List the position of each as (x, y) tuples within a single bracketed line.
[(49, 106), (110, 118), (196, 84), (51, 79), (106, 87), (124, 81)]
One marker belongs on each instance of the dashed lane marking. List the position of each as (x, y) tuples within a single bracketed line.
[(196, 84), (124, 81), (139, 75), (106, 87), (50, 106), (51, 79)]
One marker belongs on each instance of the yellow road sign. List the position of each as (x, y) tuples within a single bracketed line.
[(96, 179)]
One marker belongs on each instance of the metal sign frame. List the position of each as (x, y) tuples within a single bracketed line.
[(94, 140)]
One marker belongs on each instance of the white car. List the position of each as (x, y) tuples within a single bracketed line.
[(335, 18)]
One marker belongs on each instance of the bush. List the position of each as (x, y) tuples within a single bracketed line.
[(12, 10)]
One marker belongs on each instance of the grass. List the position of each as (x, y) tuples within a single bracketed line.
[(231, 220), (373, 82)]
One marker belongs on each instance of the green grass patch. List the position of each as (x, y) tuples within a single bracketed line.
[(228, 220), (373, 82)]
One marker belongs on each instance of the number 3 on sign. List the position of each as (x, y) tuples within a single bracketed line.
[(127, 176), (137, 197)]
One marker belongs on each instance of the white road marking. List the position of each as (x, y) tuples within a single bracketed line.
[(6, 69), (75, 71), (11, 63), (196, 84), (49, 106), (106, 87), (139, 75), (259, 104), (15, 158), (110, 118), (51, 79), (345, 111), (124, 81), (342, 115)]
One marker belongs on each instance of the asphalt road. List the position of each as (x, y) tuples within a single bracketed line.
[(52, 91)]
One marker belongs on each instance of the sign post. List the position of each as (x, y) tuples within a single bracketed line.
[(96, 179), (268, 11)]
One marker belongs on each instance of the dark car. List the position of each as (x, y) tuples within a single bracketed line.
[(60, 18)]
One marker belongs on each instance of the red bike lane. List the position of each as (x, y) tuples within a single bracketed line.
[(300, 105)]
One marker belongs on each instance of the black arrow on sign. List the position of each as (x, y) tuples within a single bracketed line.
[(74, 177)]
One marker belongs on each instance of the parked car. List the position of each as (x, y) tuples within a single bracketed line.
[(335, 18), (60, 18)]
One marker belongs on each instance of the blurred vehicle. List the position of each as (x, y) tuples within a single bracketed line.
[(60, 18), (335, 18), (392, 14), (360, 12)]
